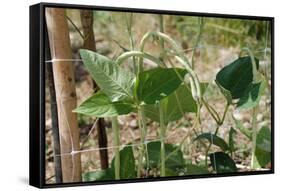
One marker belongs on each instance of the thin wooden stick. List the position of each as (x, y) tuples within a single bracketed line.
[(65, 93), (87, 20), (54, 113)]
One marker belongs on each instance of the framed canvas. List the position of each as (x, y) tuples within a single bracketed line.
[(130, 95)]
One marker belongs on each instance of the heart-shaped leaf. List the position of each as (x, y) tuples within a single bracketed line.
[(99, 105), (175, 105), (222, 163), (214, 139), (173, 162), (156, 84), (127, 163), (237, 76), (114, 81), (252, 96)]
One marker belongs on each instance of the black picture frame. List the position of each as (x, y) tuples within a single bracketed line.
[(37, 93)]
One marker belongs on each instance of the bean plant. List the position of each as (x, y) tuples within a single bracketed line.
[(164, 94)]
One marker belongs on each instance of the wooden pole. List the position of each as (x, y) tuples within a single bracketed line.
[(54, 112), (65, 93), (87, 21)]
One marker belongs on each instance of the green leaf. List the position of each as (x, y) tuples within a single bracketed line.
[(231, 142), (237, 76), (156, 84), (175, 105), (98, 175), (263, 146), (127, 163), (252, 96), (174, 161), (192, 169), (222, 163), (99, 105), (114, 81), (214, 139), (264, 139), (245, 131), (181, 102)]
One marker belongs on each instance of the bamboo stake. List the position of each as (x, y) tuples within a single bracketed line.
[(65, 93), (87, 21), (54, 113)]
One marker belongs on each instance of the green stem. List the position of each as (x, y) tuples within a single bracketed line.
[(215, 114), (183, 140), (76, 27), (224, 114), (265, 48), (254, 136), (166, 38), (116, 142), (194, 78), (209, 147), (129, 22), (200, 19), (143, 131), (162, 137), (253, 61), (129, 54), (219, 123), (162, 43)]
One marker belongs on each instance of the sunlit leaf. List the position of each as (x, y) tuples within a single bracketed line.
[(174, 161), (155, 84), (175, 105), (114, 81), (127, 163), (99, 105)]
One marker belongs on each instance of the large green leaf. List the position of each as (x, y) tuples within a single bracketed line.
[(99, 105), (214, 139), (98, 175), (252, 96), (156, 84), (127, 163), (175, 105), (181, 101), (263, 146), (192, 169), (114, 81), (237, 76), (174, 161), (222, 163)]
